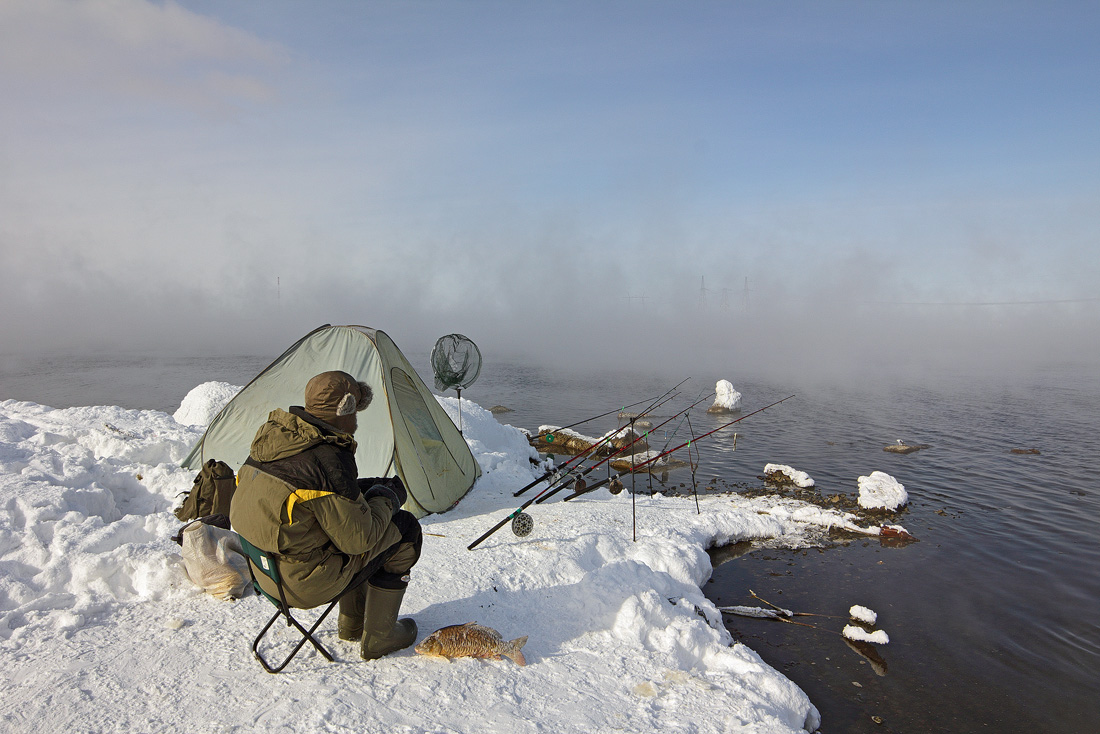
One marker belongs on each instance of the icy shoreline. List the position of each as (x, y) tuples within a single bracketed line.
[(94, 603)]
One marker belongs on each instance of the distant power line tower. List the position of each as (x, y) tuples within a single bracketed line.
[(636, 298), (703, 292)]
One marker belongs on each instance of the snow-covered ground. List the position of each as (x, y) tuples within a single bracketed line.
[(100, 629)]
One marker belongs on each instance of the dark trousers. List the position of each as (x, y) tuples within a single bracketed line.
[(389, 569)]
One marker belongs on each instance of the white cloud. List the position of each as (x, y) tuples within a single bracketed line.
[(54, 50)]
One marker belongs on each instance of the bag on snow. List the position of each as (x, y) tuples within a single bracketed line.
[(211, 493), (214, 561)]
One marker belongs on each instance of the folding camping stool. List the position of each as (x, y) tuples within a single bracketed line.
[(267, 564)]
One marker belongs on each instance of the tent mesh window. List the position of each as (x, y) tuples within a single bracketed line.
[(419, 422)]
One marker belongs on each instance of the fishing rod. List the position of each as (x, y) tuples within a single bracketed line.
[(601, 483), (595, 447), (616, 488), (589, 470), (617, 410), (667, 442), (521, 522), (580, 480), (648, 461), (516, 517), (678, 425), (693, 464), (563, 479)]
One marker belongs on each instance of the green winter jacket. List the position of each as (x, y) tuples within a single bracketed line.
[(298, 497)]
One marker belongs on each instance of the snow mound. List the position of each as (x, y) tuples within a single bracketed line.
[(204, 402), (863, 614), (726, 399), (799, 478), (880, 491), (498, 448), (85, 500), (859, 634)]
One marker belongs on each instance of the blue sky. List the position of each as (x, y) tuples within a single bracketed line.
[(236, 173)]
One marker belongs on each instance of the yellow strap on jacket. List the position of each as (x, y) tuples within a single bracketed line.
[(301, 495)]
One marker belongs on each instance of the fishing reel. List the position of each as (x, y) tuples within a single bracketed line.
[(615, 486), (522, 525)]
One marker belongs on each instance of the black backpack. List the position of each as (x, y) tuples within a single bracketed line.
[(211, 493)]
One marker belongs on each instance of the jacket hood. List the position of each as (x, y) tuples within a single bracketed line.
[(289, 433)]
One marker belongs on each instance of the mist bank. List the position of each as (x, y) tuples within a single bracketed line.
[(788, 341)]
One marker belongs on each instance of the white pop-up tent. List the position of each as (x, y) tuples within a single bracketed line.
[(404, 432)]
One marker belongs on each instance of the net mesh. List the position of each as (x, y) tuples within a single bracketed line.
[(456, 362)]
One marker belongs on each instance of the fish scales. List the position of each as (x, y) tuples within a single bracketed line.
[(471, 640)]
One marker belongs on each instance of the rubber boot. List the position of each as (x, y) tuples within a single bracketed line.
[(383, 633), (353, 606)]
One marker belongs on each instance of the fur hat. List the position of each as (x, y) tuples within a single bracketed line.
[(335, 397)]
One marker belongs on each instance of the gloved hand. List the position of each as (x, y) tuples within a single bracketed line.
[(391, 488), (398, 488)]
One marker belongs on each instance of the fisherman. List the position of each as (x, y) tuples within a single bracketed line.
[(299, 498)]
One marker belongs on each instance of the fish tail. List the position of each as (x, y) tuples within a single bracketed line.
[(514, 652)]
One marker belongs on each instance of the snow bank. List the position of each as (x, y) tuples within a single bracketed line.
[(85, 499), (799, 478), (204, 402), (880, 491), (99, 624)]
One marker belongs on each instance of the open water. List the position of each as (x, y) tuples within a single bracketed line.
[(993, 616)]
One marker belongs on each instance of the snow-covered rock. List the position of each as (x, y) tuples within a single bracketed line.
[(726, 399), (880, 491), (863, 614), (794, 476), (859, 634)]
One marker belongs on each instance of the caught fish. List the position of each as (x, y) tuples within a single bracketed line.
[(471, 640)]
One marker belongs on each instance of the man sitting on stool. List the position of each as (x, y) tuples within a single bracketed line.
[(300, 499)]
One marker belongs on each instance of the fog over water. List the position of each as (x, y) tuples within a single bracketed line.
[(841, 190)]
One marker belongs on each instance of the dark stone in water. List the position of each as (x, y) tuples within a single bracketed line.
[(902, 448), (1024, 451), (777, 478), (499, 409)]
